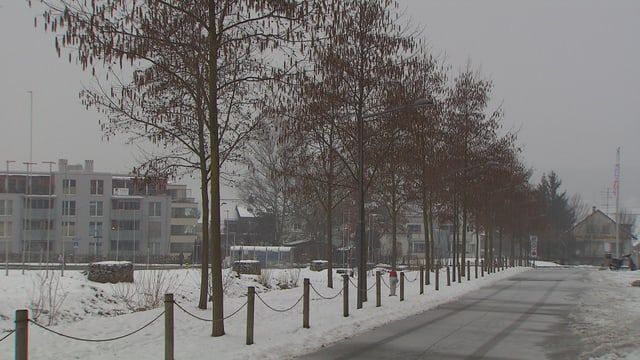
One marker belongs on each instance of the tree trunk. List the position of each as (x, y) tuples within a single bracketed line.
[(216, 266), (329, 230), (204, 250)]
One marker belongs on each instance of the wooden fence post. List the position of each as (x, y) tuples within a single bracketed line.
[(428, 274), (22, 335), (251, 304), (476, 267), (168, 327), (345, 295), (378, 289), (305, 305), (401, 286)]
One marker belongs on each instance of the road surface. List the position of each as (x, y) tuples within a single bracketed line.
[(523, 317)]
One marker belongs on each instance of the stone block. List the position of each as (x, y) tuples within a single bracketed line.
[(111, 272)]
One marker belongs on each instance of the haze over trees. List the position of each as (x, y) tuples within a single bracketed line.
[(286, 90)]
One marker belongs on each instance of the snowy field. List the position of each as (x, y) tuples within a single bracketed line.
[(72, 306)]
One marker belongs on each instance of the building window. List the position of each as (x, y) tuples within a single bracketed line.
[(118, 204), (68, 228), (183, 230), (68, 208), (6, 228), (414, 228), (38, 204), (97, 187), (69, 186), (95, 229), (155, 209), (95, 208), (6, 207)]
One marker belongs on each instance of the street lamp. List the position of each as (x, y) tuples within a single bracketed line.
[(361, 244), (6, 244), (226, 227)]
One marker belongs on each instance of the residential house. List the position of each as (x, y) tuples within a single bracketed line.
[(595, 237)]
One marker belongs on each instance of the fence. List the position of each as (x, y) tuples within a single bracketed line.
[(22, 319)]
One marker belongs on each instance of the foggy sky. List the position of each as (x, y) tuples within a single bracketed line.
[(567, 74)]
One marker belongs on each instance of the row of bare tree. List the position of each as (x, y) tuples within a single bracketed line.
[(208, 82)]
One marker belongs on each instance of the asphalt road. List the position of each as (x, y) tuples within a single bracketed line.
[(523, 317)]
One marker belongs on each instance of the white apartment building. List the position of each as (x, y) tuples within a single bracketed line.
[(85, 215)]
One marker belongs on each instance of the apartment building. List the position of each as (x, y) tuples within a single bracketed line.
[(185, 213), (86, 215)]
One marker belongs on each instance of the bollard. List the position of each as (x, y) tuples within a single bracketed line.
[(168, 327), (401, 286), (452, 268), (437, 277), (482, 267), (22, 335), (475, 265), (448, 276), (378, 289), (460, 273), (345, 295), (427, 271), (305, 304), (251, 304), (421, 280), (468, 270)]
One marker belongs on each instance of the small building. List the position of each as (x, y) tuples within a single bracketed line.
[(307, 250), (595, 237), (268, 256)]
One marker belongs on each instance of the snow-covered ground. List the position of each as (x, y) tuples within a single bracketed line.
[(608, 316), (84, 310)]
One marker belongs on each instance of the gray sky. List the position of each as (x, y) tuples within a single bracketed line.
[(567, 74)]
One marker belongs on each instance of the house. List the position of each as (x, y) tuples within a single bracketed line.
[(595, 237)]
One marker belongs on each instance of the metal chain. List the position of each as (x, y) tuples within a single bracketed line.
[(9, 334), (209, 320), (190, 314), (385, 282), (325, 297), (372, 286), (279, 310), (96, 340), (406, 278), (235, 312)]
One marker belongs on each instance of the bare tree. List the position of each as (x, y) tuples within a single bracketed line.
[(204, 49)]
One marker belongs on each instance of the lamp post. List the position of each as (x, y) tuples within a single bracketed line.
[(361, 244), (226, 228), (6, 243), (135, 228)]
